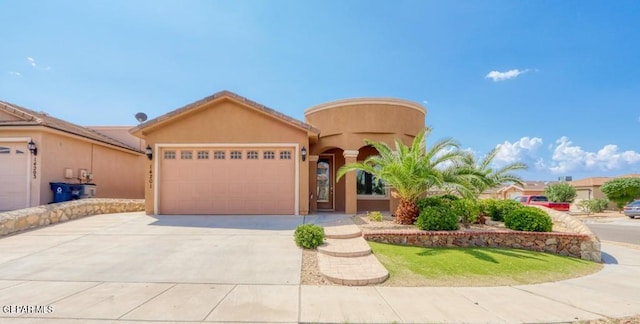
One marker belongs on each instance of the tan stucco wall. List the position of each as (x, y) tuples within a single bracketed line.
[(346, 124), (225, 121), (118, 173)]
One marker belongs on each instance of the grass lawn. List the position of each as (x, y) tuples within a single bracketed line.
[(419, 266)]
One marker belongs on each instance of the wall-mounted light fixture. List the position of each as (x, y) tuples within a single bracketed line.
[(149, 152), (303, 153), (32, 147)]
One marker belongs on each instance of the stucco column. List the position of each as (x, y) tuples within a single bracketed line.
[(350, 191), (313, 177)]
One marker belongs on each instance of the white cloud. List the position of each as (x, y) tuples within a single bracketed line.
[(568, 157), (514, 152), (33, 64), (15, 73), (501, 76), (426, 102)]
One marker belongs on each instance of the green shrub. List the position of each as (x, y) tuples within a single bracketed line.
[(561, 192), (528, 219), (437, 218), (593, 205), (467, 209), (504, 208), (449, 197), (489, 208), (309, 236), (375, 216), (436, 201)]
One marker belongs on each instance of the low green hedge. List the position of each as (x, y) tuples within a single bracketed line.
[(528, 219), (437, 218)]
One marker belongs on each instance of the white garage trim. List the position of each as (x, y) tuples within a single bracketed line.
[(27, 179), (159, 146)]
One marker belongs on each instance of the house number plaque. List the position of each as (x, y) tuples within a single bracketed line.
[(150, 177), (35, 168)]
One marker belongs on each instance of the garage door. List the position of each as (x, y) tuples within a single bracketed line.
[(226, 181), (13, 176)]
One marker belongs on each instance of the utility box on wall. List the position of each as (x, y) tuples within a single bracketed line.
[(88, 190)]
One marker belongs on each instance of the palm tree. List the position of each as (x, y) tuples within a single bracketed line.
[(491, 177), (413, 170)]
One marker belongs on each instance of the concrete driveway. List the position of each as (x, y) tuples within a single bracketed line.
[(133, 247), (132, 268)]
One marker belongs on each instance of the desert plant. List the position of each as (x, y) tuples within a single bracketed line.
[(622, 190), (593, 205), (437, 219), (529, 219), (561, 192), (467, 209), (375, 216), (309, 236), (413, 170), (491, 177), (505, 207)]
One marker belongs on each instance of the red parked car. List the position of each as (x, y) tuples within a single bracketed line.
[(543, 201)]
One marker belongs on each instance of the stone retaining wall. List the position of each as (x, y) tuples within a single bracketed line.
[(23, 219), (570, 237)]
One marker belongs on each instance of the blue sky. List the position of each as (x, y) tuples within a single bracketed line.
[(555, 83)]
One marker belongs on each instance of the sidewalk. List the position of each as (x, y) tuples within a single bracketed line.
[(613, 292)]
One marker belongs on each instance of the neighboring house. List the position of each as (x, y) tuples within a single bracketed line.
[(62, 152), (226, 154), (589, 188), (529, 188)]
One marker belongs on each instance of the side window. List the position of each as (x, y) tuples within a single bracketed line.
[(218, 155), (252, 155), (203, 155), (236, 155), (186, 155), (269, 155), (169, 155), (523, 199), (285, 155)]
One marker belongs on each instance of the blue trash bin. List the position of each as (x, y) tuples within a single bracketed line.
[(61, 191)]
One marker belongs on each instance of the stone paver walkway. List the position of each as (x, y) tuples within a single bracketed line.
[(345, 258)]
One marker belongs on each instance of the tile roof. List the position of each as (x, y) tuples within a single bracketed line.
[(599, 181), (228, 94), (28, 117)]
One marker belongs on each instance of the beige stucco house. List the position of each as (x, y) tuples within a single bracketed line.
[(529, 188), (61, 152), (226, 154), (589, 188)]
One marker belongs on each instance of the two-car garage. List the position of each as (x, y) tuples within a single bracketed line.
[(226, 180), (226, 155)]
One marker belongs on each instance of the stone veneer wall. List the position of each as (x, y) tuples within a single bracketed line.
[(570, 237), (28, 218)]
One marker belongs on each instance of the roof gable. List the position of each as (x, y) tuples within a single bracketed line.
[(28, 117), (219, 96)]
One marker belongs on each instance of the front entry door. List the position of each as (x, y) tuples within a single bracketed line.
[(325, 182)]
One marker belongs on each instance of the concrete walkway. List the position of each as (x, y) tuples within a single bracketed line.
[(612, 292)]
